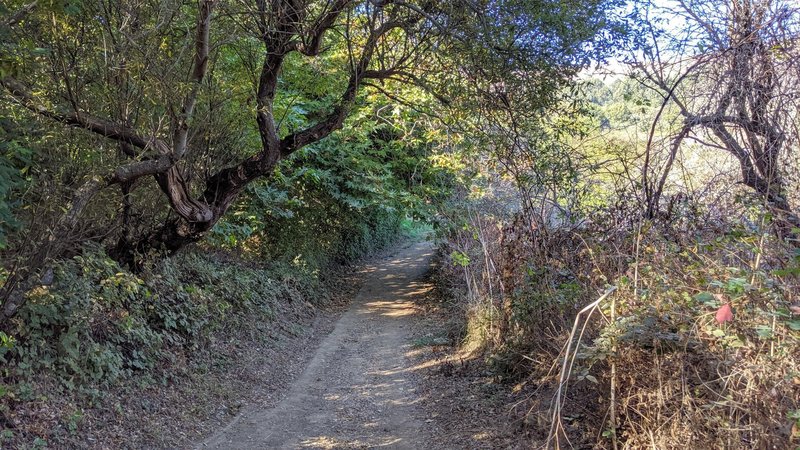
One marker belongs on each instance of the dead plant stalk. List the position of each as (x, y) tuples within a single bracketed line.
[(569, 362)]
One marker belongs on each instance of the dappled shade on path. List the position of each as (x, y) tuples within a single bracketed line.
[(359, 390)]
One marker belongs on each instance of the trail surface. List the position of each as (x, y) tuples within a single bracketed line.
[(359, 390)]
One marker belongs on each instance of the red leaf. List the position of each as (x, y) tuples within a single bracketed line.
[(724, 313)]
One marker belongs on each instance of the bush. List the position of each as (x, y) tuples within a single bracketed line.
[(98, 324), (89, 327), (678, 376)]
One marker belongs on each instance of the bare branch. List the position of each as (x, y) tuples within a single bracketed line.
[(102, 127), (180, 137), (312, 40), (336, 118)]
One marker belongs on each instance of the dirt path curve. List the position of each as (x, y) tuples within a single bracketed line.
[(359, 390)]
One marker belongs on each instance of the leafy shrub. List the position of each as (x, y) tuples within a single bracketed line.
[(713, 382), (15, 160), (98, 324), (87, 328)]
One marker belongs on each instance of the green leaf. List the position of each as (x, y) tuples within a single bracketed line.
[(460, 258), (786, 272), (70, 344), (705, 297), (764, 332)]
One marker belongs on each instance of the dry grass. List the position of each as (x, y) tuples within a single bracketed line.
[(651, 368)]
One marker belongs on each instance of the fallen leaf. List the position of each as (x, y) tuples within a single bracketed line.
[(724, 313), (795, 309)]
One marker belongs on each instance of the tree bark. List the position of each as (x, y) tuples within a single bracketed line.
[(281, 23)]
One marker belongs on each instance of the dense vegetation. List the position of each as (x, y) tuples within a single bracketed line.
[(633, 267), (177, 174)]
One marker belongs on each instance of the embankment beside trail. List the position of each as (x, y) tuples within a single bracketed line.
[(105, 358)]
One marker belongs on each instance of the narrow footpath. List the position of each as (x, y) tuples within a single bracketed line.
[(360, 389)]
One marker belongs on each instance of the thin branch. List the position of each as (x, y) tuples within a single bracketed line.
[(312, 41), (335, 119), (102, 127), (20, 14)]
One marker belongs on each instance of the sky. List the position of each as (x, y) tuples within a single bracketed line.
[(614, 68)]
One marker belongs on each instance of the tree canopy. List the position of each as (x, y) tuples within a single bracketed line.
[(207, 97)]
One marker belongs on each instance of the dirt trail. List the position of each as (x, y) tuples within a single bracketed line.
[(360, 389)]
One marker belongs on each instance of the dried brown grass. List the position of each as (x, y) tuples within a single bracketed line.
[(652, 368)]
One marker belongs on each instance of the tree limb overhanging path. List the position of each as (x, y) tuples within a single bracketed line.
[(359, 389)]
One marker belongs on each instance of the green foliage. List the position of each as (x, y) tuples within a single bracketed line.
[(6, 342), (15, 160), (392, 165), (460, 258), (344, 197), (99, 324), (622, 105), (91, 330)]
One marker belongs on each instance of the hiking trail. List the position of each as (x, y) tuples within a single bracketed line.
[(359, 390)]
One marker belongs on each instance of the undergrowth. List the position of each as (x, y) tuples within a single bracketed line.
[(99, 328), (655, 365)]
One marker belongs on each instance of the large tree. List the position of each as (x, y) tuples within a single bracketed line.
[(157, 137), (731, 69), (179, 87)]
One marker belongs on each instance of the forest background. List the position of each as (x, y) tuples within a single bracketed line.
[(174, 174)]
